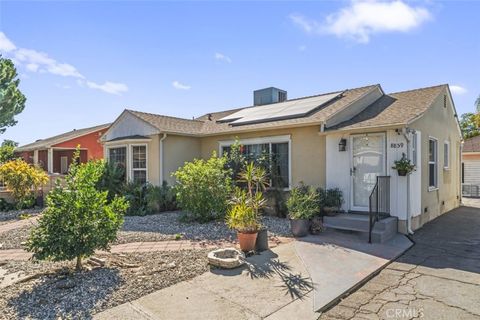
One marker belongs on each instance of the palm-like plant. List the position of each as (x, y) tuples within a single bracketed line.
[(255, 177)]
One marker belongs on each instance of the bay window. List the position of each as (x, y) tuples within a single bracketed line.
[(118, 157)]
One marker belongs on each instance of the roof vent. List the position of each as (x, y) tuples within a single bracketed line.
[(268, 96)]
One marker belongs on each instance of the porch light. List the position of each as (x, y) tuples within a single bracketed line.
[(342, 145)]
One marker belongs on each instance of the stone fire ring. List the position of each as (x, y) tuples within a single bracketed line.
[(227, 258)]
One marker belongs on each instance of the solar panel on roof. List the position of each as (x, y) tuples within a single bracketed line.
[(276, 111)]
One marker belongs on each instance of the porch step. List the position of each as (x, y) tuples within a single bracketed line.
[(383, 230)]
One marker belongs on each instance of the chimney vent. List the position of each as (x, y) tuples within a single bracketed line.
[(268, 96)]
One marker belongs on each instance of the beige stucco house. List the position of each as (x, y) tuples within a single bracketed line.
[(342, 139), (471, 167)]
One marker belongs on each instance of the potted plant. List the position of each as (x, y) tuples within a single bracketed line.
[(242, 217), (243, 214), (302, 206), (403, 166), (333, 199)]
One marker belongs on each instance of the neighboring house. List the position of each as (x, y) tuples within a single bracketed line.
[(55, 154), (343, 139), (471, 166)]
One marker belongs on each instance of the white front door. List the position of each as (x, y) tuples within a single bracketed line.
[(368, 162)]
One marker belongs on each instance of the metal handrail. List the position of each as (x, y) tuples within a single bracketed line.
[(380, 197)]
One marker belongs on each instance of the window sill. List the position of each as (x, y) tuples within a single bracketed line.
[(430, 189), (446, 168)]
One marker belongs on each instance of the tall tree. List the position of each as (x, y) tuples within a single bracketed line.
[(12, 100), (469, 125), (477, 104)]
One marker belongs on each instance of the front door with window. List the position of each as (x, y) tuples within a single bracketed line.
[(368, 162)]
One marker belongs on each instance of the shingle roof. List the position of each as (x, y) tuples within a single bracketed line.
[(203, 126), (391, 109), (394, 108), (48, 142), (170, 124), (472, 145)]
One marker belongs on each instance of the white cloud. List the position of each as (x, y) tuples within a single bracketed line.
[(302, 48), (5, 44), (361, 19), (108, 87), (180, 86), (455, 89), (222, 57), (37, 61), (40, 61)]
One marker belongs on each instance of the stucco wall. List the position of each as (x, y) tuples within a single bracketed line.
[(307, 151), (439, 122), (176, 151), (90, 141)]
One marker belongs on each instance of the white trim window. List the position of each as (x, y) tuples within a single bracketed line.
[(446, 155), (139, 164), (432, 163), (118, 157), (274, 150)]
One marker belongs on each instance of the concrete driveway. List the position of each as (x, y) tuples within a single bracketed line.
[(438, 278)]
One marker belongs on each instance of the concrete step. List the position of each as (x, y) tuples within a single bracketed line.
[(383, 230)]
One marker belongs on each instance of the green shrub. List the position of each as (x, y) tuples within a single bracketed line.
[(303, 203), (203, 188), (333, 198), (112, 180), (6, 206), (136, 196), (160, 199), (22, 179), (78, 219)]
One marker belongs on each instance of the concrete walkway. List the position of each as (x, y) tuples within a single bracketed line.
[(274, 285), (338, 261), (438, 278)]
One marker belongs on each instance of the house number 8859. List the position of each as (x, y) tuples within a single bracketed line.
[(396, 145)]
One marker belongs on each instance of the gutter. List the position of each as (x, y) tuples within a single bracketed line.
[(161, 157), (406, 134)]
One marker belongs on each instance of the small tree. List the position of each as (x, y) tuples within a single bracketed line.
[(204, 187), (22, 179), (12, 101), (7, 150), (78, 219)]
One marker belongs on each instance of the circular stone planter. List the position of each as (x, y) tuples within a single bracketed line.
[(227, 258)]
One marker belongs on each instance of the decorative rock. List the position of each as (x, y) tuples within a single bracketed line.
[(227, 258)]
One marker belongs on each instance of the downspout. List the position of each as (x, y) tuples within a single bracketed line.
[(406, 134), (161, 157)]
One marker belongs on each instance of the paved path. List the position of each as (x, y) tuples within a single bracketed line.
[(171, 245), (438, 278), (339, 261), (273, 285)]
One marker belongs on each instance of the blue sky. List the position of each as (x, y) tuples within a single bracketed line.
[(82, 63)]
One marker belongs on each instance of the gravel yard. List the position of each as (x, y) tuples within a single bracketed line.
[(160, 227), (58, 292), (165, 226), (9, 216)]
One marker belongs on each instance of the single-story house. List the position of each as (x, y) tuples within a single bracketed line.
[(471, 166), (55, 154), (344, 139)]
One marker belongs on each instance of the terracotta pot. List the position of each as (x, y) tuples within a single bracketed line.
[(247, 240)]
